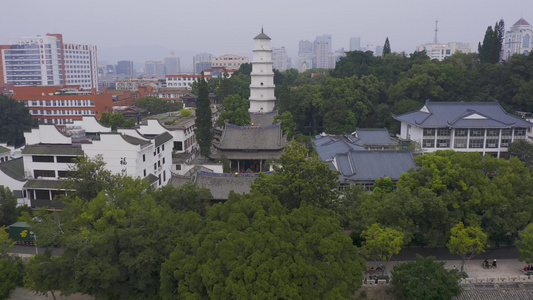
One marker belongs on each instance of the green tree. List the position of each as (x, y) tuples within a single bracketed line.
[(203, 131), (301, 178), (188, 197), (380, 244), (523, 150), (287, 124), (11, 269), (11, 272), (8, 207), (252, 247), (466, 242), (154, 105), (425, 279), (225, 88), (489, 51), (43, 274), (5, 242), (386, 47), (525, 244), (87, 178), (113, 245), (116, 120), (15, 118), (235, 111)]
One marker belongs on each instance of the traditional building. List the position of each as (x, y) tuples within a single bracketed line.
[(251, 148), (483, 127), (262, 99)]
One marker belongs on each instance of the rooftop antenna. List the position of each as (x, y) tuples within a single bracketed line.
[(436, 38)]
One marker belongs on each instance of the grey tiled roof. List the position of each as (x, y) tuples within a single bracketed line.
[(372, 136), (235, 154), (43, 184), (328, 146), (366, 165), (463, 115), (14, 169), (262, 36), (134, 141), (251, 138), (221, 184), (56, 149), (163, 138), (263, 119)]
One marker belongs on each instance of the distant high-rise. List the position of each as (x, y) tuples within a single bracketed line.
[(518, 39), (437, 50), (154, 68), (280, 59), (355, 44), (172, 64), (305, 49), (46, 60), (125, 67), (379, 51), (201, 62), (323, 53)]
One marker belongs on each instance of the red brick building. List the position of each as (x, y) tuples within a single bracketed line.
[(59, 105)]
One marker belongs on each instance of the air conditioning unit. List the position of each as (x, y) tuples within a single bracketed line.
[(505, 144), (459, 145), (491, 145), (443, 145)]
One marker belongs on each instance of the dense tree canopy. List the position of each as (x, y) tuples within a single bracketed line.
[(300, 179), (234, 111), (8, 207), (15, 118), (203, 131), (154, 105), (425, 279), (116, 120), (446, 188), (252, 247)]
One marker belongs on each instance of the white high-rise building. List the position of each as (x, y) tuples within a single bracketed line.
[(46, 60), (262, 99), (355, 44), (518, 39), (172, 64), (280, 59)]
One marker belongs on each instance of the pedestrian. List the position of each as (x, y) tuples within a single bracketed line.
[(454, 267), (494, 263)]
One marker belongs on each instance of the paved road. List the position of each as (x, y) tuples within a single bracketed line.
[(442, 253)]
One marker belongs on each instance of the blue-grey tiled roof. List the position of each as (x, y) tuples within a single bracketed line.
[(372, 136), (366, 165), (462, 115), (328, 146)]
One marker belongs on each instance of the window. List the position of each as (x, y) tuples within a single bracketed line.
[(155, 166), (44, 173), (428, 143), (443, 132), (178, 167), (178, 146), (144, 173), (492, 143), (163, 147), (163, 160), (443, 143), (39, 158), (66, 159), (429, 131), (477, 132), (493, 132), (519, 132), (476, 143), (144, 159), (62, 174)]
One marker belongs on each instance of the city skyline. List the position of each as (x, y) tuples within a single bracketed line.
[(134, 31)]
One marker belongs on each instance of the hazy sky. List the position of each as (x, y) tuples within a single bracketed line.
[(149, 30)]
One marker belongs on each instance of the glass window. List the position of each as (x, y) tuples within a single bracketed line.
[(39, 158), (429, 131)]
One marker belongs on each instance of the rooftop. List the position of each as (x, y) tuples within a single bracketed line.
[(14, 169), (53, 149), (462, 115), (366, 165)]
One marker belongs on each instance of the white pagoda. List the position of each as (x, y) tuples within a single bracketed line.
[(262, 99)]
